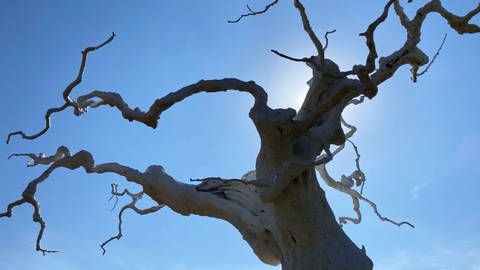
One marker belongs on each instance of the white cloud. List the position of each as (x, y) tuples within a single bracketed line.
[(415, 191)]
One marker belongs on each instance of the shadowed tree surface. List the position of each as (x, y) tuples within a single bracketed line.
[(279, 208)]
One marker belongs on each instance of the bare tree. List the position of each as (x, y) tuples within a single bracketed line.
[(279, 208)]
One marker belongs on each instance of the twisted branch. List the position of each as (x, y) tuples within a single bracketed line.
[(409, 53), (28, 195), (61, 159), (62, 151), (161, 187), (260, 110), (369, 36), (356, 196), (363, 71), (135, 198), (150, 117), (357, 178), (66, 94)]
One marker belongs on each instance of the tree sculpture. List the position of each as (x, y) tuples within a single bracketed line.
[(279, 208)]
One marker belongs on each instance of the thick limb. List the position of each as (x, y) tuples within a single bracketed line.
[(150, 117), (260, 111), (236, 202), (340, 93)]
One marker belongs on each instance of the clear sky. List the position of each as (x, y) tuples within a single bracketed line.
[(419, 142)]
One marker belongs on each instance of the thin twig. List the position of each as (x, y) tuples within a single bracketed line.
[(414, 78), (135, 198), (347, 182), (326, 38), (304, 59), (360, 178), (253, 13), (132, 206)]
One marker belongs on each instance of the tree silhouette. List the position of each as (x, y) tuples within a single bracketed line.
[(279, 208)]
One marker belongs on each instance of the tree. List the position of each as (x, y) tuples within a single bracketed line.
[(280, 210)]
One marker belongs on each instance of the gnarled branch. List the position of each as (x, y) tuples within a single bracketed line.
[(66, 94), (62, 151), (150, 117), (239, 204), (363, 71), (409, 53), (369, 36), (355, 197), (357, 178), (132, 205)]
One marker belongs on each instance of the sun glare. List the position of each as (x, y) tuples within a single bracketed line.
[(287, 84)]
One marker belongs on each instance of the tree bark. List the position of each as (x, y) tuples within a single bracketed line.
[(309, 235)]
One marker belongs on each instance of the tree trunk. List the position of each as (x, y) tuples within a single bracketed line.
[(311, 236)]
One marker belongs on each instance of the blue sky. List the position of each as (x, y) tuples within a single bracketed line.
[(419, 142)]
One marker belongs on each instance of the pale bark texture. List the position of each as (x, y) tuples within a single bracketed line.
[(279, 208)]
